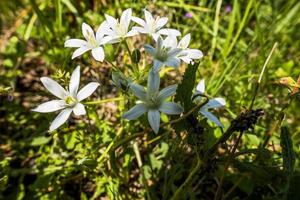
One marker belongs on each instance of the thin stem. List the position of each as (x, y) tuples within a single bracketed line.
[(140, 164), (188, 180), (135, 65)]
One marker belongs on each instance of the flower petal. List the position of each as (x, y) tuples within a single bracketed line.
[(112, 22), (60, 119), (135, 112), (171, 108), (50, 106), (211, 117), (75, 43), (126, 18), (148, 17), (169, 32), (80, 51), (87, 91), (53, 87), (132, 32), (154, 120), (173, 62), (149, 49), (157, 64), (167, 92), (215, 103), (193, 53), (153, 82), (74, 81), (161, 22), (139, 91), (201, 86), (98, 53), (138, 21), (79, 109), (87, 31), (185, 41)]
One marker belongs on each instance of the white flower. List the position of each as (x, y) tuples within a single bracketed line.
[(153, 27), (187, 55), (69, 100), (212, 103), (92, 42), (153, 101), (117, 29), (164, 53)]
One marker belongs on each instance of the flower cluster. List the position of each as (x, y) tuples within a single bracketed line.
[(166, 51)]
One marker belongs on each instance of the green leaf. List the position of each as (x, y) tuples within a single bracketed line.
[(37, 141), (183, 96), (288, 154)]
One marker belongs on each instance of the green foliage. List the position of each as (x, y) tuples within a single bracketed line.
[(93, 157)]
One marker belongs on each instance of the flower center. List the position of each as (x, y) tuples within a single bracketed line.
[(153, 103), (70, 100), (120, 29), (162, 54), (91, 40)]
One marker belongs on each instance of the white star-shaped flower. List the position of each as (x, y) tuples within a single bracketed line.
[(117, 29), (154, 26), (153, 101), (163, 53), (69, 100), (211, 104), (93, 42)]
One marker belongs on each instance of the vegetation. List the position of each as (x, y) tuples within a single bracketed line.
[(251, 59)]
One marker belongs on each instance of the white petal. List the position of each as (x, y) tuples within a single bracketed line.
[(98, 54), (135, 112), (138, 21), (87, 91), (112, 22), (87, 31), (79, 109), (169, 32), (149, 49), (185, 41), (80, 51), (157, 64), (194, 53), (74, 81), (139, 91), (50, 106), (148, 17), (154, 120), (132, 32), (139, 29), (101, 30), (167, 92), (153, 82), (161, 22), (53, 87), (171, 108), (170, 41), (201, 86), (173, 62), (215, 103), (126, 18), (60, 119), (211, 117), (75, 43)]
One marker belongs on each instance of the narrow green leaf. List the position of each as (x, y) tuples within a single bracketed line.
[(288, 154)]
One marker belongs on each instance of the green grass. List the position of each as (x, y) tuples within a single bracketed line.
[(103, 155)]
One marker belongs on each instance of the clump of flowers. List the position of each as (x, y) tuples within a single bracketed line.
[(164, 49)]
